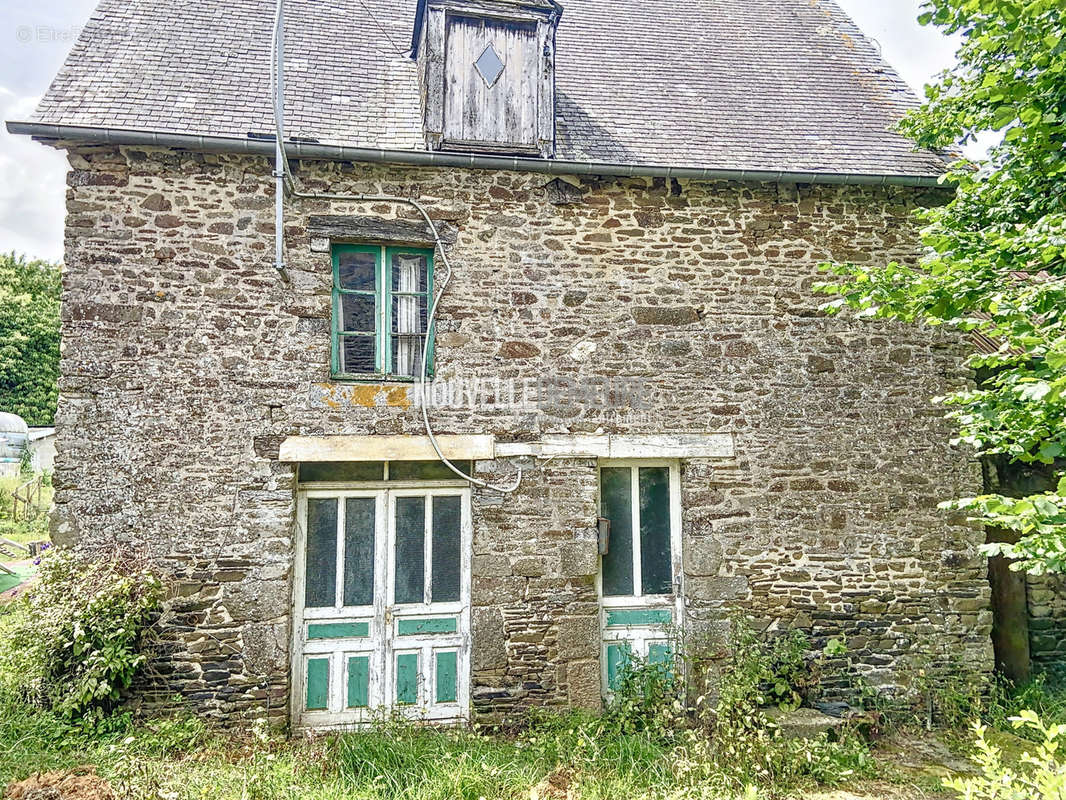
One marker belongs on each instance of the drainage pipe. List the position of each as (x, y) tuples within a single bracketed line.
[(434, 158), (280, 169)]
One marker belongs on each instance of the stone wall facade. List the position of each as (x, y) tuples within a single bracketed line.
[(186, 361), (1046, 598)]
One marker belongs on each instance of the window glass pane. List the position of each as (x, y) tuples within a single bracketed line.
[(410, 553), (444, 578), (357, 271), (616, 504), (424, 470), (320, 577), (407, 355), (320, 471), (359, 514), (357, 354), (655, 570), (358, 312), (409, 314), (409, 272)]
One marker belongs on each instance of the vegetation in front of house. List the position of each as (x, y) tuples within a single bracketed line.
[(1038, 774), (70, 647), (23, 530), (996, 253), (29, 338), (652, 741), (74, 642)]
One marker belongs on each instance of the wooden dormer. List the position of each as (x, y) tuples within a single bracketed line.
[(487, 74)]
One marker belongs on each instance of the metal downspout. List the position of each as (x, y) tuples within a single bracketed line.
[(279, 144)]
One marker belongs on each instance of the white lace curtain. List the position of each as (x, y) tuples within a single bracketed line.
[(409, 271)]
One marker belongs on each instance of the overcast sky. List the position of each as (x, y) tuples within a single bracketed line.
[(36, 35)]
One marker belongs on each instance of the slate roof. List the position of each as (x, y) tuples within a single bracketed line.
[(730, 84)]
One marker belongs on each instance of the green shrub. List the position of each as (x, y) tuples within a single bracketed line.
[(1039, 775), (75, 640), (759, 672), (748, 749), (649, 696)]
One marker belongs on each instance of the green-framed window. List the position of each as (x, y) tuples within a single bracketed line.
[(381, 298)]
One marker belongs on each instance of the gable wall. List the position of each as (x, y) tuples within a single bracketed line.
[(186, 362)]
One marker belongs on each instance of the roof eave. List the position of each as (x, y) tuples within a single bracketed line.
[(429, 158)]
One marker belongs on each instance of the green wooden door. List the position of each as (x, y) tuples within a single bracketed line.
[(382, 605)]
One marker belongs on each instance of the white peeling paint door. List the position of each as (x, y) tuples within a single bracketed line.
[(381, 606), (640, 578)]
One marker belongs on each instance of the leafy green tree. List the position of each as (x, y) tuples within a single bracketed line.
[(29, 338), (995, 260)]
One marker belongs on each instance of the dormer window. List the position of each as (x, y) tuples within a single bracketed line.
[(488, 75)]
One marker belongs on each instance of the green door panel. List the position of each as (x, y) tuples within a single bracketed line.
[(338, 630), (447, 677), (407, 678), (358, 681), (413, 627), (617, 659), (317, 684), (620, 617)]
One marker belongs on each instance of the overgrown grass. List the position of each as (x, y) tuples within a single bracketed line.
[(181, 760), (592, 758), (654, 741)]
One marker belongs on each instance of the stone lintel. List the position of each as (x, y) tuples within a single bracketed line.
[(347, 227), (385, 448), (638, 445)]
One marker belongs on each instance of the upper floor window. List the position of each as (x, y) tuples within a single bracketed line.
[(487, 75), (381, 301)]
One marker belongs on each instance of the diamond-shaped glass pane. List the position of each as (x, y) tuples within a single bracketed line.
[(489, 66)]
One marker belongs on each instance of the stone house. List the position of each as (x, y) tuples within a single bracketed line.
[(628, 202)]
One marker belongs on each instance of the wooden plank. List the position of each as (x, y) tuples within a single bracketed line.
[(433, 92), (651, 445), (386, 448), (672, 445)]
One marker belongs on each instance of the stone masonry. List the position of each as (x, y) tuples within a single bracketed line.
[(1046, 598), (186, 362)]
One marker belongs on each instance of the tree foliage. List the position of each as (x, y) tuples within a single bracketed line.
[(29, 338), (995, 259)]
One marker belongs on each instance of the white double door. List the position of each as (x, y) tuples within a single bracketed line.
[(382, 605)]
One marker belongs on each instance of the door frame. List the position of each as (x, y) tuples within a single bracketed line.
[(382, 622), (622, 602)]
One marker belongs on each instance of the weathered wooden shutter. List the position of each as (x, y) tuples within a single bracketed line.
[(487, 75), (491, 84)]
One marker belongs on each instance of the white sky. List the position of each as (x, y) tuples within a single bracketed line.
[(35, 36)]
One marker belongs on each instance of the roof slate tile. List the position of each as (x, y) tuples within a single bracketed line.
[(732, 84)]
